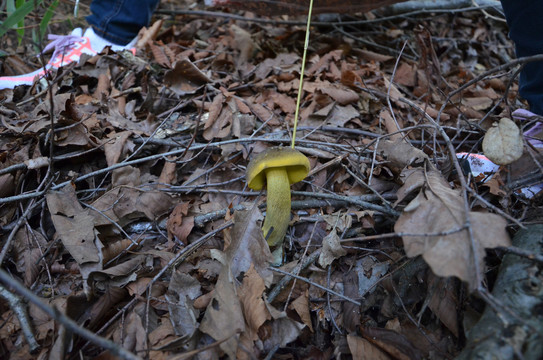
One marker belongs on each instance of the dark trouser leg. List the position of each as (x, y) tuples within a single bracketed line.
[(119, 21), (525, 20)]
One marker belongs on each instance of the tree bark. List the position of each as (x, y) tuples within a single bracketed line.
[(519, 287), (418, 5), (289, 7)]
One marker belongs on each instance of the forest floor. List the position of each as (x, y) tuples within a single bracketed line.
[(134, 218)]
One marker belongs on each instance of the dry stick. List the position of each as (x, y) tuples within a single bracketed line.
[(286, 279), (328, 306), (20, 310), (312, 283), (402, 234), (260, 20), (65, 320), (389, 103), (177, 143), (298, 268), (494, 208), (523, 253), (34, 194), (519, 61), (201, 220), (18, 224)]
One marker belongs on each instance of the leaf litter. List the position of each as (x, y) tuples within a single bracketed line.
[(149, 155)]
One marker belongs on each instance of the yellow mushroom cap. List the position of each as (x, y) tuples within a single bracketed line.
[(294, 162)]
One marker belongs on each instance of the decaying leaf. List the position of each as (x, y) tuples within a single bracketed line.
[(502, 143), (28, 249), (401, 154), (185, 77), (254, 308), (301, 306), (124, 204), (436, 220), (223, 317), (248, 247), (118, 275), (331, 249), (282, 330), (75, 228), (393, 343), (182, 292), (363, 349), (179, 224)]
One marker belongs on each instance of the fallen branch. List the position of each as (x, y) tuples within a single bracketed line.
[(433, 5), (519, 287), (66, 321), (20, 310)]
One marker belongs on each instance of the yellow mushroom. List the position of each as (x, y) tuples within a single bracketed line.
[(277, 168)]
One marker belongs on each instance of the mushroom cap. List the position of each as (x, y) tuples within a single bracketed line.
[(295, 163)]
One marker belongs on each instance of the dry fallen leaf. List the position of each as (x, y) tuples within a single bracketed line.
[(331, 249), (179, 224), (75, 228), (248, 247), (502, 143), (254, 308), (436, 218), (301, 306), (182, 291), (401, 153), (223, 318), (362, 349), (185, 77)]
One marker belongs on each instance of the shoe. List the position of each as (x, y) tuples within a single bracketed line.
[(533, 134), (527, 183), (66, 49)]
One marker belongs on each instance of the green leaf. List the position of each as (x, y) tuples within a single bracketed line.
[(47, 17), (21, 24), (18, 15)]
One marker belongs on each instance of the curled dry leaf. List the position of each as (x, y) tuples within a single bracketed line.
[(401, 153), (185, 77), (119, 275), (502, 143), (331, 249), (254, 308), (27, 252), (436, 220), (179, 224), (115, 248), (301, 306)]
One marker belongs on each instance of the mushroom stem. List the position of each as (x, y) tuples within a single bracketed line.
[(278, 206)]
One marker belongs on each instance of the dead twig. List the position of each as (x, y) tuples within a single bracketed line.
[(65, 320), (20, 310)]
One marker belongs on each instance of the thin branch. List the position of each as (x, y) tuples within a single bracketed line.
[(65, 320), (20, 310), (314, 284)]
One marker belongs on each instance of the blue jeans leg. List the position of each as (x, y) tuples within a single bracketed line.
[(119, 21), (525, 20)]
